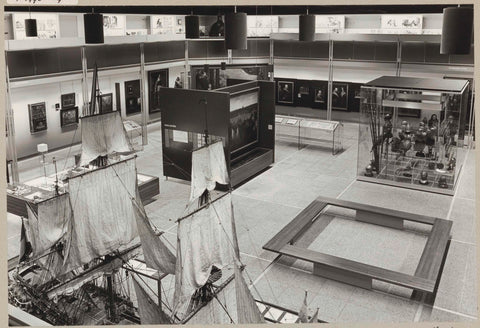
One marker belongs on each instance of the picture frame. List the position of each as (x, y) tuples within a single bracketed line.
[(319, 95), (285, 91), (68, 116), (68, 100), (340, 96), (132, 97), (156, 80), (106, 103), (37, 114), (304, 90)]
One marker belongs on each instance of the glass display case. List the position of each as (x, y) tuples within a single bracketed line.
[(410, 132), (309, 131)]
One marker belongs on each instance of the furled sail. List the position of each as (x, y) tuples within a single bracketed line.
[(156, 254), (208, 168), (50, 225), (150, 312), (104, 217), (204, 239), (102, 135)]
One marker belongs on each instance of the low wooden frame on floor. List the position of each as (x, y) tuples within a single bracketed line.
[(359, 274)]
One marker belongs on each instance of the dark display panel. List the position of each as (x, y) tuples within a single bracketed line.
[(132, 97), (156, 80)]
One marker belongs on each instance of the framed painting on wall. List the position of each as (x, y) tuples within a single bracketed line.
[(340, 96), (106, 104), (68, 100), (285, 92), (132, 97), (38, 117), (156, 80), (68, 116)]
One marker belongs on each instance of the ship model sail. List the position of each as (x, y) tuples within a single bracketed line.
[(83, 238)]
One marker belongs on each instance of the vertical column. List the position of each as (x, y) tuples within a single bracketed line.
[(186, 83), (143, 96), (10, 126), (330, 79), (271, 57), (399, 58), (229, 56), (84, 81)]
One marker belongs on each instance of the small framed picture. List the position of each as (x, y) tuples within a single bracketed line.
[(106, 103), (285, 92), (319, 95), (340, 96), (38, 117), (68, 116), (68, 100), (304, 90)]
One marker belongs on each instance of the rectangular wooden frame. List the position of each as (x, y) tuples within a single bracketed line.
[(359, 274)]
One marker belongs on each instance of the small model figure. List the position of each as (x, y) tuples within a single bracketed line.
[(420, 140), (442, 182), (423, 178), (369, 171)]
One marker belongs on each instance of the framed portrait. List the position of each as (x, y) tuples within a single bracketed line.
[(340, 96), (243, 127), (68, 116), (68, 100), (132, 97), (156, 80), (106, 103), (285, 92), (38, 117), (319, 95)]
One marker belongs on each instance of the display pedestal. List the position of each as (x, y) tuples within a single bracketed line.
[(250, 164)]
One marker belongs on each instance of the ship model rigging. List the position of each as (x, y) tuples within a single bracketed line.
[(77, 247)]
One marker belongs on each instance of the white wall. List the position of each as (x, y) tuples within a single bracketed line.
[(49, 93)]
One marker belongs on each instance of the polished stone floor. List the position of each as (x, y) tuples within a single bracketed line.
[(270, 200)]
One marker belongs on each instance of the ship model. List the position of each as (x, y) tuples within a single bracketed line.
[(78, 247)]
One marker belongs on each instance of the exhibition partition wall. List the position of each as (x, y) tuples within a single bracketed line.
[(242, 116)]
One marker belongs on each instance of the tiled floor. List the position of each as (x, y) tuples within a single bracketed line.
[(269, 201)]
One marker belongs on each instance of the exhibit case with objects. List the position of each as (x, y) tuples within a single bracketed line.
[(411, 132)]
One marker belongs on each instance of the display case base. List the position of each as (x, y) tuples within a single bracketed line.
[(449, 192), (250, 164)]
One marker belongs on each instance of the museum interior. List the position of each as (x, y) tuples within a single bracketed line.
[(240, 164)]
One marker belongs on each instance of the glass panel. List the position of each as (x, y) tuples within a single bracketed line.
[(409, 137)]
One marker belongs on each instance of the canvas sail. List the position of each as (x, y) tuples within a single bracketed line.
[(204, 239), (102, 135), (232, 304), (208, 168), (50, 225), (104, 217), (156, 254), (150, 312)]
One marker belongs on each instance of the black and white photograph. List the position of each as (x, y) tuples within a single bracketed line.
[(340, 96), (68, 116), (37, 114), (106, 103), (68, 100), (218, 164), (285, 92), (156, 80)]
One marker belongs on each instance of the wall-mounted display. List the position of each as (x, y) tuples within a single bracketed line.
[(340, 96), (285, 92), (47, 25), (114, 25), (68, 100), (106, 103), (319, 95), (163, 24), (402, 24), (68, 116), (38, 117), (156, 80), (329, 23), (244, 127), (132, 97), (261, 26)]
